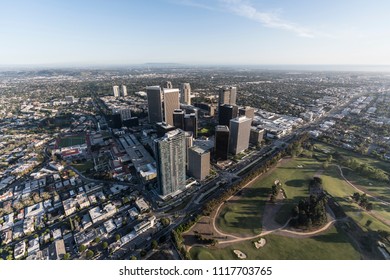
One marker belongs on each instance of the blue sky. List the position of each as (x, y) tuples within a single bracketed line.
[(76, 32)]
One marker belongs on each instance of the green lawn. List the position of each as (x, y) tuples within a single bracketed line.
[(363, 159), (84, 166), (376, 188), (333, 244), (71, 141), (244, 215), (341, 191)]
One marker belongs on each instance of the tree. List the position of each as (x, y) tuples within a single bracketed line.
[(154, 244), (96, 240), (82, 248), (66, 256), (104, 245), (143, 253), (165, 222), (133, 258), (117, 237), (90, 254)]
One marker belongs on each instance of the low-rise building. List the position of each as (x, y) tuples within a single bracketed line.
[(97, 214)]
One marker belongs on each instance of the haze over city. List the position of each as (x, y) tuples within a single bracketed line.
[(80, 33)]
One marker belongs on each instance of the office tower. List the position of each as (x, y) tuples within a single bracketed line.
[(227, 95), (171, 162), (221, 142), (154, 95), (240, 129), (163, 128), (115, 89), (171, 102), (248, 112), (206, 108), (178, 118), (185, 93), (124, 90), (167, 84), (199, 163), (226, 113), (189, 109), (256, 135), (191, 124)]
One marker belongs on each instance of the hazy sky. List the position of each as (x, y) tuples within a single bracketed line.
[(189, 31)]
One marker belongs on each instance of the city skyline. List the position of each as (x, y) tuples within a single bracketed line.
[(227, 32)]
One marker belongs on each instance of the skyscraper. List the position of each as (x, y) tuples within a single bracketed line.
[(115, 89), (248, 112), (171, 162), (256, 135), (178, 118), (221, 142), (227, 95), (167, 84), (226, 113), (185, 93), (154, 95), (191, 124), (240, 129), (199, 163), (171, 102), (124, 90)]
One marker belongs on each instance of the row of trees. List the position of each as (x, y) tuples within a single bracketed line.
[(367, 170)]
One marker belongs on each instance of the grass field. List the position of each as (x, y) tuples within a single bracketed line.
[(244, 214), (363, 159), (84, 166), (71, 141), (341, 191), (333, 244)]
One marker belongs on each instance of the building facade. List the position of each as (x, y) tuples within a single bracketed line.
[(115, 90), (227, 95), (199, 163), (171, 103), (155, 113), (185, 93), (171, 162), (226, 113), (221, 147), (240, 129)]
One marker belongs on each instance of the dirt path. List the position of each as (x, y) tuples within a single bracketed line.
[(356, 188)]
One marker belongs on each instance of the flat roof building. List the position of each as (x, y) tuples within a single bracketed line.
[(198, 162), (240, 129)]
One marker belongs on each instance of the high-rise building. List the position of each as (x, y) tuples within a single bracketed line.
[(178, 118), (124, 90), (221, 147), (227, 95), (171, 162), (185, 93), (115, 89), (226, 113), (191, 124), (240, 129), (248, 112), (171, 102), (199, 163), (256, 135), (167, 84), (155, 112)]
